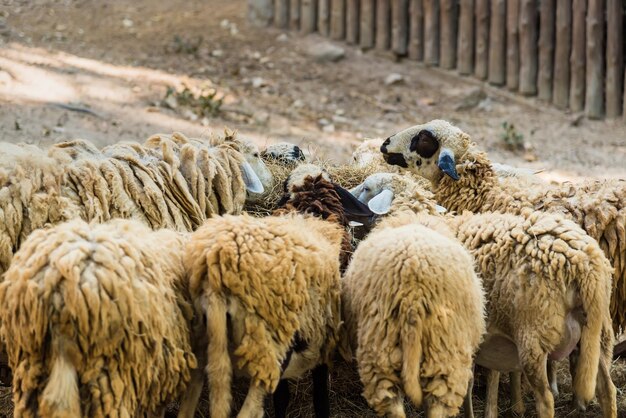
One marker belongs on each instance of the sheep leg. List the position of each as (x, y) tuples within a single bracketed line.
[(534, 363), (554, 384), (605, 389), (468, 406), (517, 401), (320, 391), (491, 404), (190, 398), (253, 405), (281, 399)]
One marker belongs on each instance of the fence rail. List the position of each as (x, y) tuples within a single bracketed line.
[(566, 52)]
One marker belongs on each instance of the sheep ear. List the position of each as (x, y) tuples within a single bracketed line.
[(251, 179), (354, 223), (356, 191), (351, 205), (447, 163), (381, 203), (440, 209)]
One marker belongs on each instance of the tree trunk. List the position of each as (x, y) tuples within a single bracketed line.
[(497, 43), (431, 32), (482, 39), (512, 45), (528, 47), (260, 12), (294, 14), (383, 17), (562, 53), (400, 26), (466, 38), (448, 34), (546, 49), (368, 19), (578, 64), (337, 19), (594, 101), (615, 58), (416, 37)]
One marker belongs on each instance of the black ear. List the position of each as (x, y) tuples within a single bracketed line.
[(283, 200), (298, 154), (353, 208), (424, 144)]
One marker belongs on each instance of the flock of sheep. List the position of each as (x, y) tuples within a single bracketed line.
[(132, 273)]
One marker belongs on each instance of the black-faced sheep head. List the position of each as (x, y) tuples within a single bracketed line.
[(311, 185), (285, 153), (429, 150)]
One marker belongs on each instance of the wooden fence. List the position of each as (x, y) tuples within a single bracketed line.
[(566, 52)]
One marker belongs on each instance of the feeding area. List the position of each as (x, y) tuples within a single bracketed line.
[(312, 208)]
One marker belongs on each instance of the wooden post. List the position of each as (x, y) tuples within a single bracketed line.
[(323, 17), (281, 13), (577, 61), (528, 47), (337, 19), (383, 17), (399, 26), (512, 45), (546, 49), (614, 58), (465, 61), (308, 16), (594, 100), (367, 15), (431, 32), (294, 14), (352, 21), (482, 39), (261, 12), (497, 43), (416, 29), (448, 25), (562, 53)]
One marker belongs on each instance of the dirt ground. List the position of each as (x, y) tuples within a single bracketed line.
[(117, 59), (112, 62)]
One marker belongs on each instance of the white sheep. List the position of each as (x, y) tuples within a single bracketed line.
[(414, 318), (269, 288), (548, 285), (98, 318)]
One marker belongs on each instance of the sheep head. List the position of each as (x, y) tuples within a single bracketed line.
[(284, 152), (429, 150), (257, 176)]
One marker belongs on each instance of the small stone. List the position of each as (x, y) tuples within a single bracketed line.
[(340, 119), (472, 99), (329, 128), (258, 82), (217, 53), (577, 119), (323, 121), (340, 112), (530, 157), (256, 55), (205, 122), (171, 102), (282, 37), (485, 105), (326, 52), (298, 103), (190, 115), (224, 24), (394, 78), (262, 118), (128, 23)]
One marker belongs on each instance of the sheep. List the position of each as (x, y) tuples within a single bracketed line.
[(98, 317), (269, 288), (413, 318), (463, 179), (285, 153), (543, 275)]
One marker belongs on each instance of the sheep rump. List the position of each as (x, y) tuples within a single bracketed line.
[(277, 284), (415, 318), (98, 321)]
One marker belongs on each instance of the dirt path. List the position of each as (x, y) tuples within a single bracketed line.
[(117, 60)]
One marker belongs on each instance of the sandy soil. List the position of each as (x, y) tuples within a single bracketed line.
[(117, 59), (113, 61)]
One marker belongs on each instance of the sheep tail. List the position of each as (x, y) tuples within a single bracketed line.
[(219, 367), (412, 357), (60, 397), (595, 301)]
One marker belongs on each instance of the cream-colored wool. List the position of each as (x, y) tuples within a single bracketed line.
[(530, 266), (414, 318), (598, 206), (400, 192), (30, 196), (277, 279), (98, 319)]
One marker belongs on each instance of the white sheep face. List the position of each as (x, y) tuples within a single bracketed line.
[(376, 192), (428, 150)]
